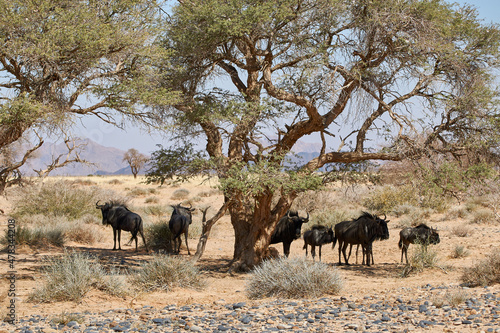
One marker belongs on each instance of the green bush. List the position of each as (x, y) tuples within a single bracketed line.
[(484, 273), (164, 272), (293, 278), (158, 236), (74, 274), (388, 198), (57, 199)]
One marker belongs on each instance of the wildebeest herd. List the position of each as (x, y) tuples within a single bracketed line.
[(362, 231)]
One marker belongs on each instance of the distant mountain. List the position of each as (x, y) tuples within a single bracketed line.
[(106, 160), (109, 160)]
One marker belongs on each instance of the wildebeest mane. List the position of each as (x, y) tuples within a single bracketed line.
[(423, 226)]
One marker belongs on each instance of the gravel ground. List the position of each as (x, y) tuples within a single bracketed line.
[(404, 310)]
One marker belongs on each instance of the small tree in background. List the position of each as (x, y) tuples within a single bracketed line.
[(135, 159)]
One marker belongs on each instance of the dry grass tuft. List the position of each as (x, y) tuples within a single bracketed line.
[(180, 194), (163, 272), (462, 231), (484, 273), (293, 278), (71, 276), (459, 252), (423, 257)]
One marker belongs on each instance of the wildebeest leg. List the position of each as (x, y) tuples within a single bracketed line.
[(305, 247), (286, 248), (186, 238), (367, 250), (320, 253), (344, 248), (341, 244), (144, 240), (313, 251), (119, 239), (114, 239), (357, 249)]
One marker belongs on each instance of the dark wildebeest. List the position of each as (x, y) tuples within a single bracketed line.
[(121, 218), (421, 234), (318, 236), (363, 231), (179, 224), (288, 229)]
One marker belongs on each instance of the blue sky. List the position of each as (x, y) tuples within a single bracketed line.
[(133, 137)]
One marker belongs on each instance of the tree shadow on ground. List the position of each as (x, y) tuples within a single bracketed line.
[(381, 270)]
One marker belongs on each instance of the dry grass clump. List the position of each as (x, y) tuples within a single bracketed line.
[(83, 233), (293, 278), (115, 182), (484, 273), (452, 298), (152, 199), (482, 215), (72, 275), (180, 194), (158, 236), (329, 217), (386, 198), (462, 231), (164, 272), (56, 199), (38, 236), (459, 252), (415, 217), (423, 257), (210, 193), (157, 210)]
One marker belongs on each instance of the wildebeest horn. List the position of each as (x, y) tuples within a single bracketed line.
[(385, 217), (307, 218), (97, 204)]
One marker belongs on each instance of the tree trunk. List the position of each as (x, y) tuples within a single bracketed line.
[(205, 232), (253, 229)]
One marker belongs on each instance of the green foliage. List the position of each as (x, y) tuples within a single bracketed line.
[(484, 273), (57, 199), (163, 272), (72, 276), (293, 278), (388, 198), (183, 162)]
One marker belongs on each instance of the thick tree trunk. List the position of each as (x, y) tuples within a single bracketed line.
[(253, 229)]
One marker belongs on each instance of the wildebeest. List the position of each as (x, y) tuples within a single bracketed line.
[(121, 218), (318, 236), (179, 224), (288, 229), (363, 231), (421, 234)]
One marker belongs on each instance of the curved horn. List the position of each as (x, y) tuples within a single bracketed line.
[(97, 204), (307, 218), (385, 217)]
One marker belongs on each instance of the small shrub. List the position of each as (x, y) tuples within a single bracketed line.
[(66, 317), (422, 258), (484, 273), (387, 198), (57, 199), (157, 210), (158, 236), (138, 192), (180, 194), (459, 252), (115, 182), (38, 236), (164, 272), (83, 233), (462, 231), (453, 298), (210, 193), (293, 278), (152, 199), (72, 275), (482, 215), (456, 213)]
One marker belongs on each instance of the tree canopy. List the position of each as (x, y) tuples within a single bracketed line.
[(63, 59), (257, 76)]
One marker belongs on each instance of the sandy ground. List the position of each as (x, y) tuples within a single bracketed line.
[(359, 281)]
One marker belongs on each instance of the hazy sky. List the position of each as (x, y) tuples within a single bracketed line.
[(131, 137)]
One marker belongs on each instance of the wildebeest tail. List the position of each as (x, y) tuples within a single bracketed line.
[(400, 243)]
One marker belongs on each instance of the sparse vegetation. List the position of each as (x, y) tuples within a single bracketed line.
[(164, 272), (459, 252), (387, 198), (152, 199), (37, 236), (462, 231), (453, 298), (293, 278), (180, 194), (65, 317), (484, 273), (423, 257), (72, 275), (56, 199), (482, 215), (158, 235)]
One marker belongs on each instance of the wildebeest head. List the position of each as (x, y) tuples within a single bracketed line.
[(184, 211), (434, 237), (427, 235), (384, 230), (105, 209), (293, 217), (379, 229)]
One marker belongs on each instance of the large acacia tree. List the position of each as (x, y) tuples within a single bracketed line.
[(63, 59), (257, 76)]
